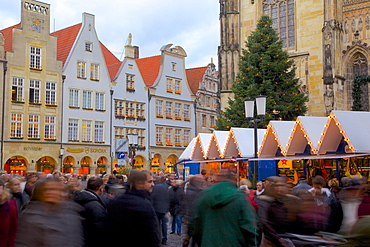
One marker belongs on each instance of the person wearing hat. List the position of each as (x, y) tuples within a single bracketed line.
[(302, 187)]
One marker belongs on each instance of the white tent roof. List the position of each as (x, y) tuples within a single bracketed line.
[(187, 154), (350, 125), (205, 139), (306, 130), (217, 144), (244, 140), (276, 136)]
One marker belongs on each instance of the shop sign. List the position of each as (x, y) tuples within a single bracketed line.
[(18, 168), (86, 150), (32, 148)]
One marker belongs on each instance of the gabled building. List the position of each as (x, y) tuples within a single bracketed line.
[(130, 106), (86, 125), (171, 110), (203, 82), (31, 91)]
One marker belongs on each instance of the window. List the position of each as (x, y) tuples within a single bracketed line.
[(177, 86), (208, 100), (34, 91), (282, 15), (215, 103), (17, 89), (130, 82), (33, 126), (88, 46), (186, 137), (73, 130), (174, 66), (50, 93), (94, 72), (169, 85), (99, 131), (212, 121), (187, 112), (177, 137), (158, 135), (86, 131), (74, 97), (35, 58), (168, 136), (16, 125), (49, 127), (168, 109), (87, 100), (119, 108), (99, 101), (204, 119), (158, 108), (178, 111), (81, 70)]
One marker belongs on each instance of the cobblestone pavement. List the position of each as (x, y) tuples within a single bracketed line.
[(174, 240)]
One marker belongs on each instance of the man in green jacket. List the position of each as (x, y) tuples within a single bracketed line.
[(224, 217)]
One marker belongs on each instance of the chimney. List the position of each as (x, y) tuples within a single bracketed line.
[(136, 52)]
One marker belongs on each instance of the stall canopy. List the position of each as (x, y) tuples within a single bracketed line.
[(241, 142), (306, 131), (276, 138), (193, 151), (348, 126), (217, 144), (205, 139)]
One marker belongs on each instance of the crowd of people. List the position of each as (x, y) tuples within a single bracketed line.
[(140, 209)]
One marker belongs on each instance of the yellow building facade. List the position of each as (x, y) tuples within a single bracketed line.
[(32, 94), (327, 40)]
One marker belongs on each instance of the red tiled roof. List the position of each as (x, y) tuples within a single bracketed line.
[(149, 69), (112, 62), (8, 36), (195, 77), (66, 39)]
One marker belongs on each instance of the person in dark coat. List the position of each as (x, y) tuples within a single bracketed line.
[(302, 187), (364, 207), (21, 199), (95, 211), (176, 194), (50, 220), (161, 204), (132, 221)]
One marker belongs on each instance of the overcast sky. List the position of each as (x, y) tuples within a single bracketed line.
[(191, 24)]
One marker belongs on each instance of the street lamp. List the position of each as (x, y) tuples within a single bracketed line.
[(250, 112), (132, 144)]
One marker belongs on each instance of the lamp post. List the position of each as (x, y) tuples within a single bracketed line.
[(132, 144), (252, 113)]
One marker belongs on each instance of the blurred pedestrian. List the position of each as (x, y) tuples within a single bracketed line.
[(21, 199), (260, 188), (161, 204), (31, 180), (50, 220), (95, 212), (245, 189), (176, 194), (132, 221), (364, 207), (223, 216), (8, 216), (302, 187), (192, 193)]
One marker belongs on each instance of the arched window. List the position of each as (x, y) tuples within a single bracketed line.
[(282, 15), (359, 66)]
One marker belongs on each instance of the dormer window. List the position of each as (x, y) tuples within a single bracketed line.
[(174, 66), (88, 46)]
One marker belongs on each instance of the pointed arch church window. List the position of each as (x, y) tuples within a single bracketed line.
[(282, 15)]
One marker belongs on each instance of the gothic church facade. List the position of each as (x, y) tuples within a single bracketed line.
[(328, 40)]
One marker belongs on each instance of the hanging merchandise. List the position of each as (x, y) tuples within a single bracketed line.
[(352, 170)]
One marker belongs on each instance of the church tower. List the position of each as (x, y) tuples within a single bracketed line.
[(229, 49)]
